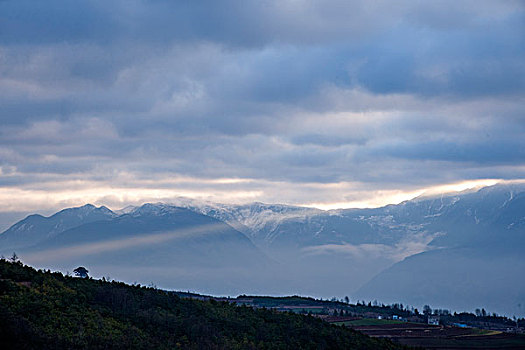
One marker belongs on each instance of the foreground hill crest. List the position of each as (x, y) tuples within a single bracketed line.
[(44, 310)]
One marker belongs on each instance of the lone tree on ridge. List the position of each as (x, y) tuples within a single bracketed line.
[(81, 271)]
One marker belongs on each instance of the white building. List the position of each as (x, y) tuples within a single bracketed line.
[(433, 320)]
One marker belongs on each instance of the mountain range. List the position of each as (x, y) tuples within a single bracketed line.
[(461, 250)]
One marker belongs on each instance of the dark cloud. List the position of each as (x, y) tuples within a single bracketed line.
[(326, 140), (386, 95), (234, 23), (483, 151)]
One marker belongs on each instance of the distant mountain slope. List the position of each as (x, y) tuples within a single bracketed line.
[(36, 228), (220, 249), (481, 258), (340, 250), (170, 246), (482, 217), (157, 235), (274, 227), (321, 253), (258, 221), (42, 310), (325, 253), (457, 278)]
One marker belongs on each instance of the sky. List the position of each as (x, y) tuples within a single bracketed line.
[(324, 103)]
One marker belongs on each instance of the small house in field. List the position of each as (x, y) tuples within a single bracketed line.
[(433, 320)]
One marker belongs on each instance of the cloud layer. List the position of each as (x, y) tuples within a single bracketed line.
[(289, 101)]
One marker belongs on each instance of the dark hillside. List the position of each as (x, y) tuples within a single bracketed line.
[(45, 310)]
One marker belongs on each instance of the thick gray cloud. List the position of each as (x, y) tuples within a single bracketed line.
[(292, 99)]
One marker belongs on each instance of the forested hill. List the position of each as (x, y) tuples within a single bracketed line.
[(47, 310)]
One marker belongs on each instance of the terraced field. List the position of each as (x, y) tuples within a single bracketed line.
[(437, 337)]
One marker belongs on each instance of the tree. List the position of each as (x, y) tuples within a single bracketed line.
[(478, 312), (427, 310), (14, 258), (81, 272), (347, 299)]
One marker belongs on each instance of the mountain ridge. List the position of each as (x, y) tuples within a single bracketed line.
[(337, 252)]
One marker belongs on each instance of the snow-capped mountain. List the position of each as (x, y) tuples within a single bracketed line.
[(428, 244), (258, 221), (160, 235), (171, 246), (478, 258), (477, 234), (37, 228)]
